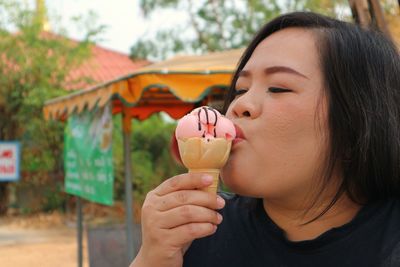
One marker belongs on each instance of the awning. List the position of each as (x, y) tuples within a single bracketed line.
[(171, 86)]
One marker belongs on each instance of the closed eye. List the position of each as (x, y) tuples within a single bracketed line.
[(278, 90), (240, 92)]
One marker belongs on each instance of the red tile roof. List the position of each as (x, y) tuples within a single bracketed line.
[(104, 65)]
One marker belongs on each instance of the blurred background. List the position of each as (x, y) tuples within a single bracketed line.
[(53, 52)]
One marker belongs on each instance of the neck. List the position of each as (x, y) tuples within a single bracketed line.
[(291, 217)]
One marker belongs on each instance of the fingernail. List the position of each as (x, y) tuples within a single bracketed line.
[(219, 218), (220, 202), (207, 179)]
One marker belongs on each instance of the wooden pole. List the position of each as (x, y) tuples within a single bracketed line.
[(369, 13), (360, 11), (378, 16), (79, 222), (126, 125)]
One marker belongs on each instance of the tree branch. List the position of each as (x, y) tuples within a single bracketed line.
[(219, 21), (202, 38)]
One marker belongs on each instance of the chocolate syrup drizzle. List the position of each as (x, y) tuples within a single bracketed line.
[(208, 119)]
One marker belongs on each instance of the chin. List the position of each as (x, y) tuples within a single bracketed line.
[(237, 185), (243, 191), (228, 180), (239, 178)]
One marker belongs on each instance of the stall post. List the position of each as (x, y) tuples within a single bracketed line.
[(126, 125)]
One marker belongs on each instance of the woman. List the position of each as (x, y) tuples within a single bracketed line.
[(315, 168)]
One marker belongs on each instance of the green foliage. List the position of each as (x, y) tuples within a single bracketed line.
[(151, 159), (118, 158), (149, 5), (54, 198), (34, 67), (214, 25), (326, 7)]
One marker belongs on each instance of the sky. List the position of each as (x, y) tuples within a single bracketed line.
[(123, 19)]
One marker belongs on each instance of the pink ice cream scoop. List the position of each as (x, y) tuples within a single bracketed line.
[(204, 139), (207, 123)]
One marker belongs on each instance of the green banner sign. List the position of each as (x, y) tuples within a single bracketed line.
[(88, 156)]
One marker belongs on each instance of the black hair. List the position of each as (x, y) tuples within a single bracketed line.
[(361, 71)]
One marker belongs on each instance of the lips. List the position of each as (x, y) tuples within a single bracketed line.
[(239, 135)]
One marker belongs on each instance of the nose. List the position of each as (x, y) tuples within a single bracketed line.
[(245, 106)]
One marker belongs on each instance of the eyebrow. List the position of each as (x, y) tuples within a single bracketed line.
[(274, 69)]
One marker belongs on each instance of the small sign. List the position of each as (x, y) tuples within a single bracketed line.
[(9, 161)]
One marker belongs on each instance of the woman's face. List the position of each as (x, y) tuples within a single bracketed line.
[(282, 112)]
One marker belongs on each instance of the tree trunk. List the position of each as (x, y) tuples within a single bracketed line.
[(3, 185), (3, 198)]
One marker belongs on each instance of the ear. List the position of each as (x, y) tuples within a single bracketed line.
[(174, 150)]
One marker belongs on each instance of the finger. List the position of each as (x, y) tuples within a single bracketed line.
[(184, 181), (188, 232), (190, 197), (188, 214)]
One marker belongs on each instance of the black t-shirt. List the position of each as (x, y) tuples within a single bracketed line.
[(247, 237)]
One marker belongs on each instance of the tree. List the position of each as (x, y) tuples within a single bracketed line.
[(151, 147), (214, 25), (152, 161), (392, 16), (34, 67)]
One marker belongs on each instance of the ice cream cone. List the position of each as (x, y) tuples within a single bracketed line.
[(214, 173), (205, 156)]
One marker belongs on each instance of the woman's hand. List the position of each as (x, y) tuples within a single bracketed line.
[(173, 215)]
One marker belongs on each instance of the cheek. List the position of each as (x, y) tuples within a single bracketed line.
[(294, 148), (291, 128), (280, 157)]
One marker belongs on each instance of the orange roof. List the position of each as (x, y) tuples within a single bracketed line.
[(103, 66), (174, 86)]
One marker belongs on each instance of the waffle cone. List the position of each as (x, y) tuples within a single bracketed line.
[(200, 155), (214, 173)]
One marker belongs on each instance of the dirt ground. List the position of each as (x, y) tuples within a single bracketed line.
[(41, 240)]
